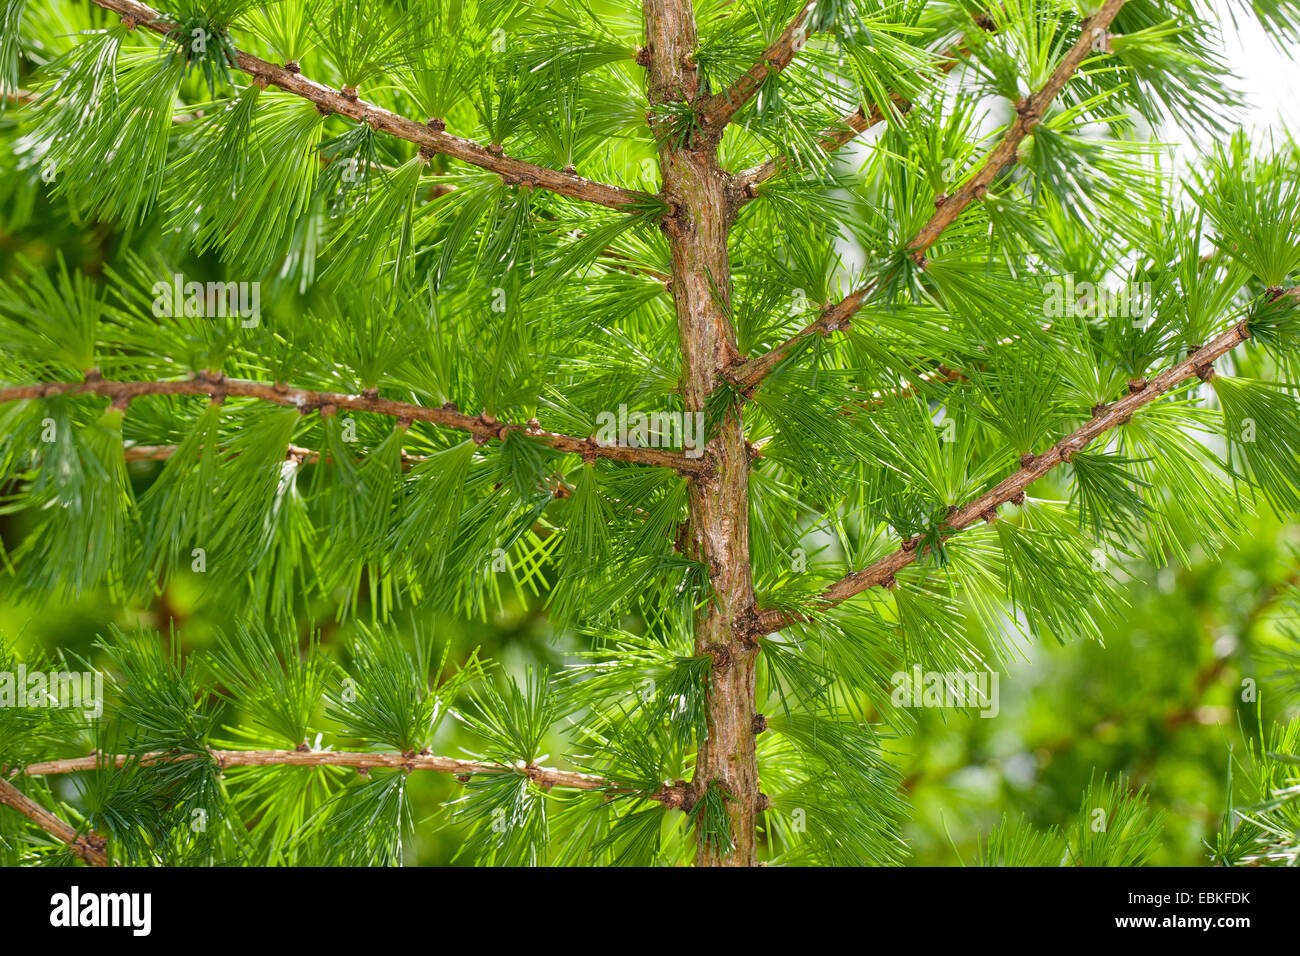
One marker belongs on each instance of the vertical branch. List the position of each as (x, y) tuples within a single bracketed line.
[(698, 194)]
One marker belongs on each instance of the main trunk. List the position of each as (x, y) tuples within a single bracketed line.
[(699, 195)]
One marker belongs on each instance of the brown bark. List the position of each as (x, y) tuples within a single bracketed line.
[(483, 427), (844, 132), (699, 196), (718, 110), (328, 100), (87, 846), (1012, 488), (1029, 112)]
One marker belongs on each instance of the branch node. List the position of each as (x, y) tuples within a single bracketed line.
[(745, 627), (889, 582), (759, 723), (1099, 409), (1136, 385), (677, 796), (721, 655), (1027, 460), (291, 66), (1018, 498), (1028, 113)]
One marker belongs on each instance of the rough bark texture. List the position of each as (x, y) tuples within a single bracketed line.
[(1105, 418), (700, 194), (483, 427), (431, 137), (88, 847)]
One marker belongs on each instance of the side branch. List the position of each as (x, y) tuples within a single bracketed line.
[(545, 777), (845, 131), (1012, 488), (720, 108), (514, 171), (88, 847), (484, 428), (1029, 112)]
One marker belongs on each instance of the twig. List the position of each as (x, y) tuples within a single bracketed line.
[(1029, 111), (482, 427), (842, 133), (87, 846), (511, 170), (718, 110), (882, 572), (546, 777)]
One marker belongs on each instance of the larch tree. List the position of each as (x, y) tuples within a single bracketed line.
[(774, 345)]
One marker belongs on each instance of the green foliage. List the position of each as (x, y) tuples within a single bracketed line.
[(327, 537), (1114, 827)]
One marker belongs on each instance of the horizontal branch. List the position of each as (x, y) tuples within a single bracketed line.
[(716, 112), (546, 777), (424, 135), (1012, 489), (88, 847), (1029, 112), (484, 428)]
